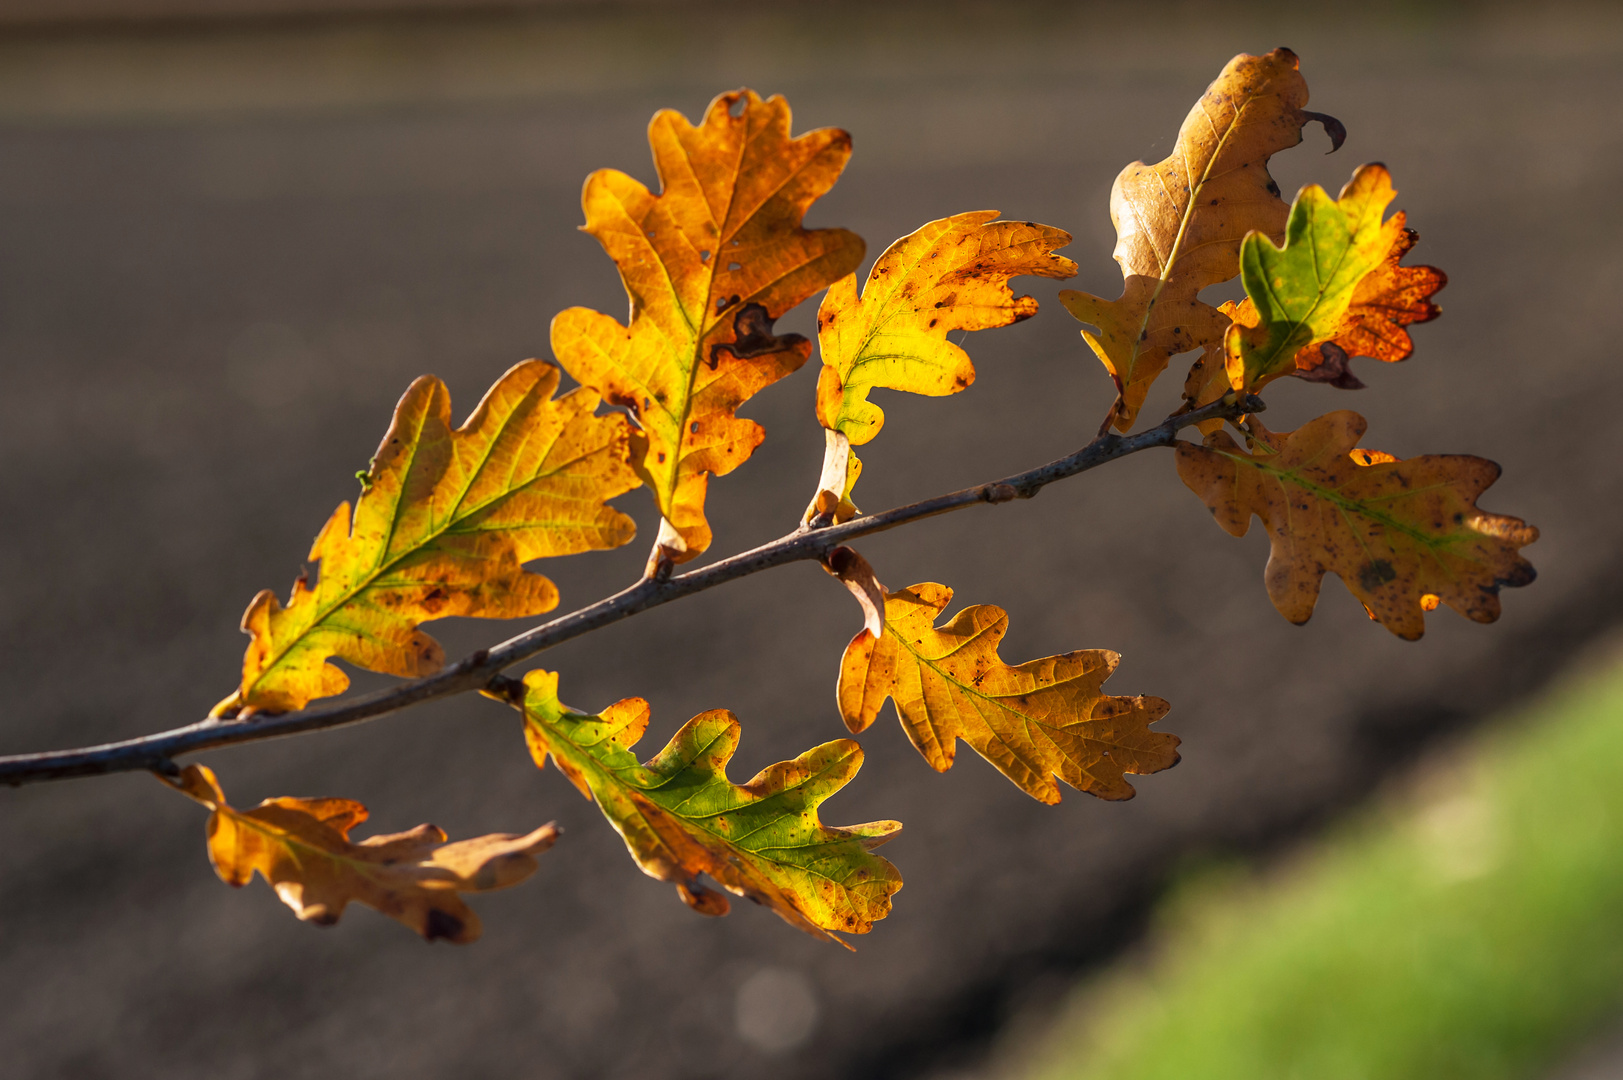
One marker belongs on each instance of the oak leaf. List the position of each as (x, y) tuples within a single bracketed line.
[(710, 264), (301, 847), (445, 521), (1180, 222), (1389, 298), (681, 817), (1302, 292), (1395, 532), (1041, 719), (951, 274)]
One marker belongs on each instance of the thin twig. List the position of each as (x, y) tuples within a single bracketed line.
[(483, 668)]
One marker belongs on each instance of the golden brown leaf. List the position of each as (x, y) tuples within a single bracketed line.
[(681, 817), (1180, 222), (1395, 532), (710, 264), (1042, 719), (301, 847), (951, 274), (444, 523)]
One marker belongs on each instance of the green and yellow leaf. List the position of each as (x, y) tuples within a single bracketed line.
[(1180, 222), (301, 847), (445, 522), (681, 817), (1402, 535), (710, 264), (952, 274), (1302, 292), (1042, 719)]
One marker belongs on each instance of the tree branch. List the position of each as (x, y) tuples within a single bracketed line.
[(482, 669)]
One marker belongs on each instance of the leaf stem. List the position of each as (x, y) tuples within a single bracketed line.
[(482, 669)]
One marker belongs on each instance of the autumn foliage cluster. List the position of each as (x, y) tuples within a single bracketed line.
[(451, 518)]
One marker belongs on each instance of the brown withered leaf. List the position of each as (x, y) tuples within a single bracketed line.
[(301, 847), (1395, 532), (443, 527), (682, 818), (1041, 719), (1180, 222), (710, 264)]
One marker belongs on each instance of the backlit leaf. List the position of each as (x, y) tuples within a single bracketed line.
[(1180, 222), (1395, 532), (301, 847), (1302, 292), (952, 274), (1042, 719), (681, 817), (1389, 298), (446, 519), (710, 264)]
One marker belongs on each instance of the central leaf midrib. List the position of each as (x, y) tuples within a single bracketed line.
[(1344, 503)]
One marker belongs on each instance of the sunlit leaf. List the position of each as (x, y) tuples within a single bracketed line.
[(1302, 291), (681, 817), (446, 519), (1180, 222), (952, 274), (710, 263), (1395, 532), (1042, 719), (301, 847)]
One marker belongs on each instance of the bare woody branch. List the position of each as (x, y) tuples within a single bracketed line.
[(481, 671)]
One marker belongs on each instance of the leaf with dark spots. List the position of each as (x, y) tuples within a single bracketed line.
[(739, 183), (1395, 532), (448, 519), (1040, 720), (301, 847), (681, 817)]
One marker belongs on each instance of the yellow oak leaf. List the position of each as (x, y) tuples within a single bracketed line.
[(951, 274), (1180, 222), (1042, 719), (710, 263), (681, 817), (1302, 292), (1395, 532), (445, 522), (301, 847)]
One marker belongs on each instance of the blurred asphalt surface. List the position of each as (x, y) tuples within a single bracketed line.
[(224, 254)]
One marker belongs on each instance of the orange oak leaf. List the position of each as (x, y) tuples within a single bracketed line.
[(1042, 719), (1388, 299), (1180, 222), (1395, 532), (445, 522), (681, 817), (710, 264), (301, 847)]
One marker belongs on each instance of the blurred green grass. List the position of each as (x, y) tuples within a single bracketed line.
[(1470, 926)]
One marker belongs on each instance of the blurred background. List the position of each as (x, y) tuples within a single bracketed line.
[(231, 232)]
